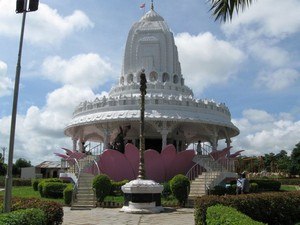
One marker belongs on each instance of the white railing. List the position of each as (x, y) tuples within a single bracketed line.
[(212, 170)]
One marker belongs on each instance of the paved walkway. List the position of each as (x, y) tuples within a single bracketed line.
[(108, 216)]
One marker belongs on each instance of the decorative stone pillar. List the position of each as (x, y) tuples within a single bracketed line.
[(107, 136), (74, 143), (228, 142), (164, 135)]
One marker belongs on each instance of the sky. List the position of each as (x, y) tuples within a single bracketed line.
[(73, 51)]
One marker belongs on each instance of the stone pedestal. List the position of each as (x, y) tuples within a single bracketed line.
[(142, 196)]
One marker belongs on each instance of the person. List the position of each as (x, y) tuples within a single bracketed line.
[(245, 184), (199, 148), (239, 185)]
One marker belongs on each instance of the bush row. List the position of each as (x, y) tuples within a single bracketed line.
[(17, 182), (220, 214), (272, 208), (264, 184), (53, 210), (68, 192), (23, 217), (294, 181), (231, 190)]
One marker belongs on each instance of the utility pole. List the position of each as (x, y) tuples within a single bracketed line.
[(21, 7)]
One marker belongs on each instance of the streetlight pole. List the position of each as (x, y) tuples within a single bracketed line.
[(8, 178)]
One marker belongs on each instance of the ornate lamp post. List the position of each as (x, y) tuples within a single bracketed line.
[(140, 195), (21, 7), (143, 88)]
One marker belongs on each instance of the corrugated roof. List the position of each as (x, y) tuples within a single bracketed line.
[(49, 164)]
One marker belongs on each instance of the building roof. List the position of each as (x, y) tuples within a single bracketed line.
[(49, 164)]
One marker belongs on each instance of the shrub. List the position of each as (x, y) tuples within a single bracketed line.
[(267, 185), (272, 208), (220, 214), (35, 183), (53, 210), (21, 182), (23, 217), (180, 186), (218, 190), (53, 189), (102, 185), (231, 190), (167, 189), (68, 192), (293, 181), (116, 187), (42, 183)]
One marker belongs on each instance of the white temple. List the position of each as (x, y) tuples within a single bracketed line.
[(172, 114)]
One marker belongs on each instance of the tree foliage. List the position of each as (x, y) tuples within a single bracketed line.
[(223, 10)]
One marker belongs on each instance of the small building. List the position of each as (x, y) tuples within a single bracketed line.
[(46, 169)]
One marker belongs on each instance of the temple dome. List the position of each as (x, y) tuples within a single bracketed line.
[(151, 46)]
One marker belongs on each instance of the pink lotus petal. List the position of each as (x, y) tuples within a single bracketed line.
[(132, 155), (115, 165), (168, 154), (154, 166), (181, 164)]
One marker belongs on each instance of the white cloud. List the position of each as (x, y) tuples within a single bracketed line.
[(277, 80), (268, 18), (44, 26), (269, 54), (6, 84), (39, 133), (261, 132), (206, 61), (80, 71)]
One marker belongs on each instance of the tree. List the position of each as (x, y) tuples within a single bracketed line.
[(283, 161), (223, 9), (295, 160), (20, 163)]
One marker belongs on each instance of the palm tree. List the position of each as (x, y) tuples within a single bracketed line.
[(223, 9)]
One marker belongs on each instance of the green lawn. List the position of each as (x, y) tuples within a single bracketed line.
[(288, 188), (28, 192)]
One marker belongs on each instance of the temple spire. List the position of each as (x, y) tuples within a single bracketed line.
[(152, 5)]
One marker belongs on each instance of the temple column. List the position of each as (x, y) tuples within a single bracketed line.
[(107, 136), (164, 135), (214, 142), (74, 143), (228, 142)]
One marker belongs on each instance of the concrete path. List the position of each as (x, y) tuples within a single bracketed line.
[(108, 216)]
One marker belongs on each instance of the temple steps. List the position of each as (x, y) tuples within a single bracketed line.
[(85, 196)]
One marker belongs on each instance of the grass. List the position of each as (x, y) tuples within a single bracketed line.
[(288, 188), (28, 192)]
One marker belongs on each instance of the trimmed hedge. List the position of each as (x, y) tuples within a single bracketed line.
[(53, 211), (68, 192), (17, 182), (272, 208), (42, 183), (23, 217), (267, 185), (180, 186), (264, 184), (102, 185), (54, 189), (292, 181), (220, 214), (35, 183), (116, 187), (231, 190)]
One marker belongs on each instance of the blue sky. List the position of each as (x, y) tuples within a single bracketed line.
[(73, 51)]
